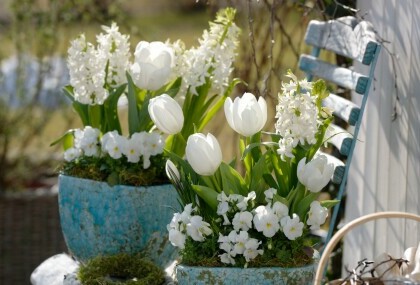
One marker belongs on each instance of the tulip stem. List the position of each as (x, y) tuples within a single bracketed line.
[(215, 183)]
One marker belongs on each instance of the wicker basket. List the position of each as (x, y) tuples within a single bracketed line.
[(340, 234)]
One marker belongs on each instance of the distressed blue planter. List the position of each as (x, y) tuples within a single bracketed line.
[(97, 219), (245, 276)]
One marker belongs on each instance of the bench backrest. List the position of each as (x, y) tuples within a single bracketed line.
[(356, 40)]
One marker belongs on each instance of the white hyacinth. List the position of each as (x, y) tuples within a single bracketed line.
[(297, 116), (213, 58), (88, 65)]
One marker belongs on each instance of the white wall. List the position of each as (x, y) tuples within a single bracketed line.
[(385, 172)]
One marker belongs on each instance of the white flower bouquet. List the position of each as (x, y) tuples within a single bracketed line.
[(169, 92), (264, 217)]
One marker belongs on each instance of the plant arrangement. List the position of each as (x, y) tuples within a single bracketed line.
[(263, 217), (189, 85)]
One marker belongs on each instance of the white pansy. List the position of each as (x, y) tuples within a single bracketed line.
[(72, 153), (266, 221), (222, 209), (246, 115), (315, 174), (240, 241), (114, 146), (177, 238), (131, 149), (152, 65), (280, 209), (292, 227), (269, 194), (166, 113), (203, 153), (242, 221), (87, 140), (198, 229), (227, 258), (251, 249), (317, 215)]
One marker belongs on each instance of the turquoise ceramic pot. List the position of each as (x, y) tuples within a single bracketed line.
[(97, 219), (245, 276)]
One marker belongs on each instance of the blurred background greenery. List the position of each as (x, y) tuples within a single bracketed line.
[(34, 38)]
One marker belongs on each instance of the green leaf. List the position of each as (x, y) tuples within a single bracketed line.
[(257, 182), (111, 109), (271, 182), (96, 117), (208, 195), (304, 204), (144, 118), (172, 88), (81, 109), (281, 172), (329, 203), (66, 139), (232, 181), (133, 116), (251, 146)]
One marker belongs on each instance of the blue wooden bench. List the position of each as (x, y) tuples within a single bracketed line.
[(353, 39)]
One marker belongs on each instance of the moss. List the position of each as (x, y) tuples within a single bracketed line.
[(120, 269)]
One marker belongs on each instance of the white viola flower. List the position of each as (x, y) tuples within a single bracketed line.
[(203, 153), (106, 137), (242, 202), (280, 210), (242, 221), (266, 221), (198, 229), (186, 214), (152, 65), (292, 227), (115, 145), (317, 215), (166, 113), (175, 222), (72, 153), (171, 171), (115, 48), (131, 149), (87, 140), (227, 258), (222, 209), (251, 249), (246, 115), (269, 194), (315, 174), (177, 238), (240, 242)]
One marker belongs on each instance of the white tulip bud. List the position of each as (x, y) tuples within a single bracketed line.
[(203, 153), (166, 113)]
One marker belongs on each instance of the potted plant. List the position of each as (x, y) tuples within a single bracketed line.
[(254, 227), (114, 196)]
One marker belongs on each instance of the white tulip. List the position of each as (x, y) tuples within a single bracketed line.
[(246, 115), (203, 153), (166, 113), (317, 215), (315, 174), (152, 65), (171, 171)]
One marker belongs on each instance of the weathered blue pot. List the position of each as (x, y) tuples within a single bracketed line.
[(245, 276), (97, 219)]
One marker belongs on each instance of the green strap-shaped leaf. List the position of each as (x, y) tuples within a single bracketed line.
[(208, 194), (304, 204), (133, 116), (81, 109), (66, 139), (96, 117), (232, 181), (111, 109), (329, 203)]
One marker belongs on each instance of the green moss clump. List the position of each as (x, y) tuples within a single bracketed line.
[(120, 269)]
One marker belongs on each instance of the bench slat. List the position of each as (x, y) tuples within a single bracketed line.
[(343, 108)]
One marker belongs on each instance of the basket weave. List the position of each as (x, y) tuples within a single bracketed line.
[(340, 234)]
